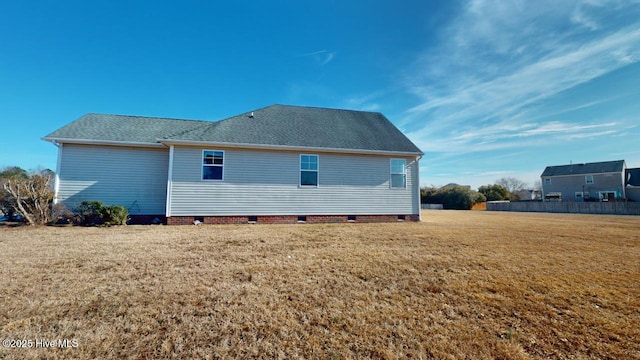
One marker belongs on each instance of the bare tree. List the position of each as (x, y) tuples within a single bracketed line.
[(31, 197), (513, 185), (7, 203)]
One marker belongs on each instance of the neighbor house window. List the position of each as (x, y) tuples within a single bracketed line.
[(547, 181), (398, 174), (308, 170), (588, 179), (212, 164)]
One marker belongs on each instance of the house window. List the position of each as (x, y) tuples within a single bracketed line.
[(212, 164), (579, 196), (547, 181), (398, 174), (308, 170), (588, 179)]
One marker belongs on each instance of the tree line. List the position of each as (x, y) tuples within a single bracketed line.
[(459, 197)]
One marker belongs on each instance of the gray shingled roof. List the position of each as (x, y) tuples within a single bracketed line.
[(581, 169), (276, 125), (122, 128)]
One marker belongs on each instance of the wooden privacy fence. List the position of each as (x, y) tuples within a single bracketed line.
[(614, 207)]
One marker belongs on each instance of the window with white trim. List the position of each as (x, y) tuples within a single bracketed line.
[(398, 174), (308, 170), (547, 181), (212, 164), (588, 179)]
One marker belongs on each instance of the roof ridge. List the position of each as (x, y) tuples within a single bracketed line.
[(328, 108), (585, 163), (299, 107), (152, 117), (246, 112)]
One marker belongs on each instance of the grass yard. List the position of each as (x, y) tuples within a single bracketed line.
[(465, 284)]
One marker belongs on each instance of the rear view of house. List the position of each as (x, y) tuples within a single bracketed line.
[(599, 181), (275, 164)]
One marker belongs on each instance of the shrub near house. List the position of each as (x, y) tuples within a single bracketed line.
[(95, 213)]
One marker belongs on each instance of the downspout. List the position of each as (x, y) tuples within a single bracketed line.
[(56, 186), (418, 176), (169, 183), (624, 182)]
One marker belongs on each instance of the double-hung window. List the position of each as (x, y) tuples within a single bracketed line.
[(588, 179), (308, 170), (212, 164), (398, 174)]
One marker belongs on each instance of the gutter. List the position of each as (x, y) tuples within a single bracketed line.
[(56, 141), (287, 147)]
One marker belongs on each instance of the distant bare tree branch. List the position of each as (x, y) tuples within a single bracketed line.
[(513, 185)]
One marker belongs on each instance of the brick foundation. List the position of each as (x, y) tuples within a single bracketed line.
[(146, 219), (288, 219)]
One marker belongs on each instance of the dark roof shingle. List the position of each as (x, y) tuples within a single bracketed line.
[(123, 128), (582, 169), (276, 125)]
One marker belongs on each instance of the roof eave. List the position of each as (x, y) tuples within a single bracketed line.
[(289, 148), (56, 140)]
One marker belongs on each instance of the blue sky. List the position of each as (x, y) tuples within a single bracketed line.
[(487, 89)]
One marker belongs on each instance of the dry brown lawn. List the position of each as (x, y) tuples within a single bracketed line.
[(459, 285)]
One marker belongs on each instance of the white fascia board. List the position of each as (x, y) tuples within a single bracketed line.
[(288, 148), (102, 142)]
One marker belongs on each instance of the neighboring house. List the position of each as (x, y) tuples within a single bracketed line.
[(633, 184), (275, 164), (600, 181)]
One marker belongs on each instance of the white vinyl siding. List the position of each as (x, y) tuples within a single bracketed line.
[(130, 176), (268, 183)]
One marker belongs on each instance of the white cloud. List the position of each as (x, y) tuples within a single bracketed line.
[(505, 57), (327, 58), (321, 57)]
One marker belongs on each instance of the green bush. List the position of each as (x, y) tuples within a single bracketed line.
[(95, 213), (115, 215), (494, 192), (90, 213)]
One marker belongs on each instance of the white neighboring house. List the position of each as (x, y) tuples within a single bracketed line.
[(275, 164)]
